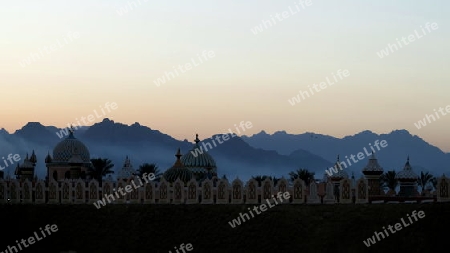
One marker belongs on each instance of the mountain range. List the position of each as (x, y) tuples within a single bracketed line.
[(241, 156)]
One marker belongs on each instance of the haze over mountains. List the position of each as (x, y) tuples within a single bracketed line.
[(261, 154)]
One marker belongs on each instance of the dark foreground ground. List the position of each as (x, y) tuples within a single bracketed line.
[(288, 228)]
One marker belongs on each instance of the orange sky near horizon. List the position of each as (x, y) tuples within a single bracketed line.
[(118, 57)]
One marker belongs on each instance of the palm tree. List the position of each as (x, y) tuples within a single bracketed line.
[(100, 168), (303, 174), (424, 179), (261, 178), (388, 180), (434, 182), (149, 168)]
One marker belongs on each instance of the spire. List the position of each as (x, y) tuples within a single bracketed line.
[(407, 165), (196, 139), (71, 131), (338, 158), (33, 157), (127, 162), (178, 162), (178, 155), (372, 167), (48, 159)]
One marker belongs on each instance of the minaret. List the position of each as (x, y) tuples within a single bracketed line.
[(33, 158), (48, 160), (373, 172)]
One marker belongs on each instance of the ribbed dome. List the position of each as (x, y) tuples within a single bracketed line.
[(195, 159), (69, 147), (178, 171), (407, 173), (373, 166)]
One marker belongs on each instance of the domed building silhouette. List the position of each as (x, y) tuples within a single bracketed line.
[(178, 170), (71, 160), (199, 162)]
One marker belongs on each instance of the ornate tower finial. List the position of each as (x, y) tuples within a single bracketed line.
[(178, 162), (71, 131), (196, 138), (178, 155), (338, 158)]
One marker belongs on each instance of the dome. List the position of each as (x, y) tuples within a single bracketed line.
[(373, 167), (407, 174), (178, 171), (198, 158), (69, 147)]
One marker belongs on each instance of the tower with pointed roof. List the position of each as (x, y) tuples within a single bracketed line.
[(26, 169), (408, 180), (337, 177), (127, 170), (341, 173), (372, 172)]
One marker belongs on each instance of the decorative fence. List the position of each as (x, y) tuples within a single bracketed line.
[(217, 191)]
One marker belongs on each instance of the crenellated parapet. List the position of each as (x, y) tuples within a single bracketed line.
[(79, 191)]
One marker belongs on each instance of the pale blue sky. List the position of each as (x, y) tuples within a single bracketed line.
[(117, 57)]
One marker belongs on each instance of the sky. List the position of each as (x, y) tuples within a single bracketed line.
[(61, 60)]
